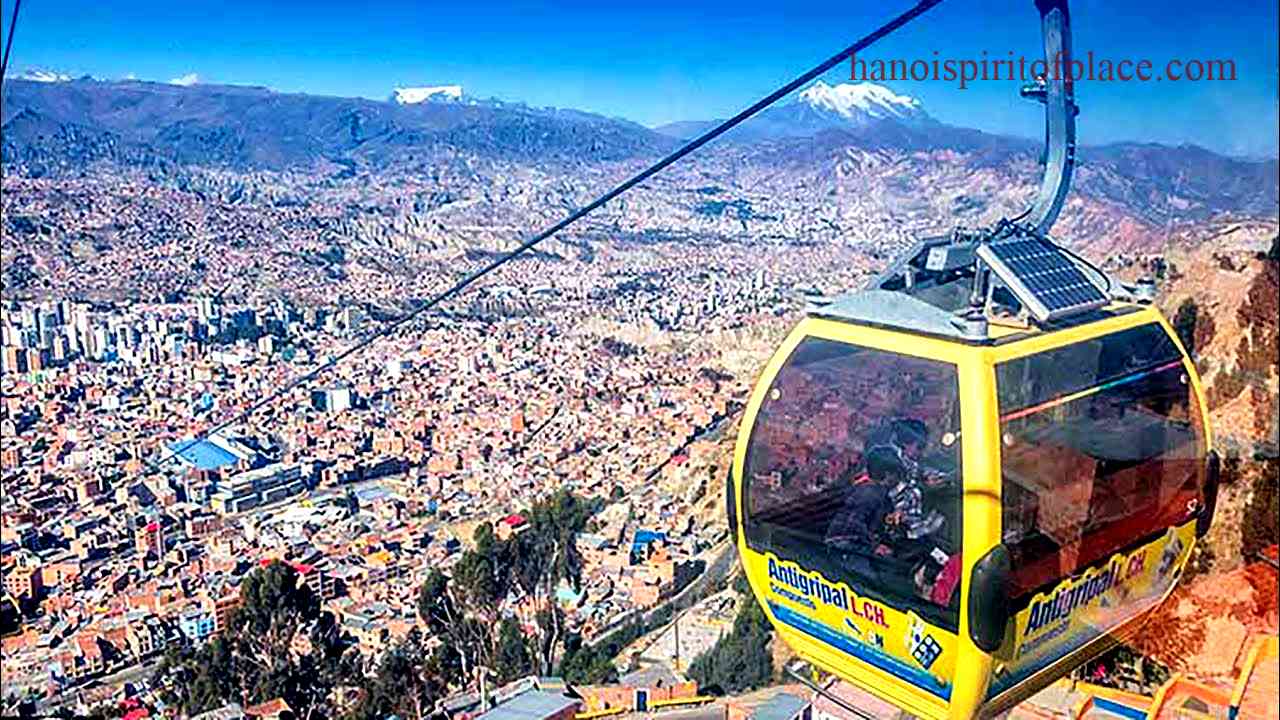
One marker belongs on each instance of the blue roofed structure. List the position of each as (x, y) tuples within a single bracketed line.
[(202, 454), (211, 453), (645, 538)]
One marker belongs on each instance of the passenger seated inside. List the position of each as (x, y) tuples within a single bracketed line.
[(908, 438), (907, 492), (865, 520), (924, 541), (884, 514)]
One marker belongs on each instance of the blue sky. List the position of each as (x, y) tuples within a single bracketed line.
[(657, 61)]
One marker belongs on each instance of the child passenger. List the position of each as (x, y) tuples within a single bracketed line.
[(907, 439)]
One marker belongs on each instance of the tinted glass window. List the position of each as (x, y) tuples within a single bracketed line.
[(1101, 447), (853, 470)]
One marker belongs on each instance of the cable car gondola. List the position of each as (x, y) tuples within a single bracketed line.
[(958, 484)]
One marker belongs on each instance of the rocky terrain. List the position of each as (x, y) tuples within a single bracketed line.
[(1222, 290)]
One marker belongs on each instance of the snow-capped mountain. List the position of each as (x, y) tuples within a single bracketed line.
[(415, 95), (821, 107), (858, 102), (46, 76)]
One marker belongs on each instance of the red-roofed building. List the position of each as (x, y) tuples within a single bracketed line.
[(510, 525), (150, 539), (269, 710), (321, 582)]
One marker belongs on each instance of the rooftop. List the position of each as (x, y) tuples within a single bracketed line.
[(230, 711), (890, 308), (203, 454), (651, 676), (531, 705), (782, 706), (645, 537)]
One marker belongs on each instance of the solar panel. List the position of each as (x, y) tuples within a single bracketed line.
[(1042, 277)]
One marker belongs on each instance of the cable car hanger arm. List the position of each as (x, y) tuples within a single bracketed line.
[(1056, 91)]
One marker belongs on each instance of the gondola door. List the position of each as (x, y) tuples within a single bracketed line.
[(852, 498)]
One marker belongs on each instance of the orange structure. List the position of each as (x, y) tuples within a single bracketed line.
[(1258, 684), (641, 691), (1252, 695), (1182, 698)]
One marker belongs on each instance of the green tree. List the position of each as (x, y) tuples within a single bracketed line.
[(586, 664), (464, 609), (199, 679), (483, 574), (511, 659), (594, 664), (542, 557), (468, 637), (739, 661), (408, 683), (277, 644)]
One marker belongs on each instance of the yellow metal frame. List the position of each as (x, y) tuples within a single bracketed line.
[(606, 712), (1130, 699), (980, 457), (678, 702), (1262, 647)]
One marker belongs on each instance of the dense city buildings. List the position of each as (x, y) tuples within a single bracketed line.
[(127, 527)]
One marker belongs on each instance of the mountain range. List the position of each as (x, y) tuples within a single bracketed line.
[(858, 143), (48, 126)]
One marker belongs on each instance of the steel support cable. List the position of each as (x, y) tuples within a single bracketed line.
[(8, 44), (912, 13)]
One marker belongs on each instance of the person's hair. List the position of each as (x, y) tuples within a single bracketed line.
[(907, 430), (884, 463)]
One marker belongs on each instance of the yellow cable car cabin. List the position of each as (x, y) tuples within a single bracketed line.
[(952, 524), (952, 488)]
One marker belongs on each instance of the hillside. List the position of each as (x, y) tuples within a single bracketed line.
[(1222, 294), (51, 127)]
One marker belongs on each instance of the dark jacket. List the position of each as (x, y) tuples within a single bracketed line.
[(859, 524)]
